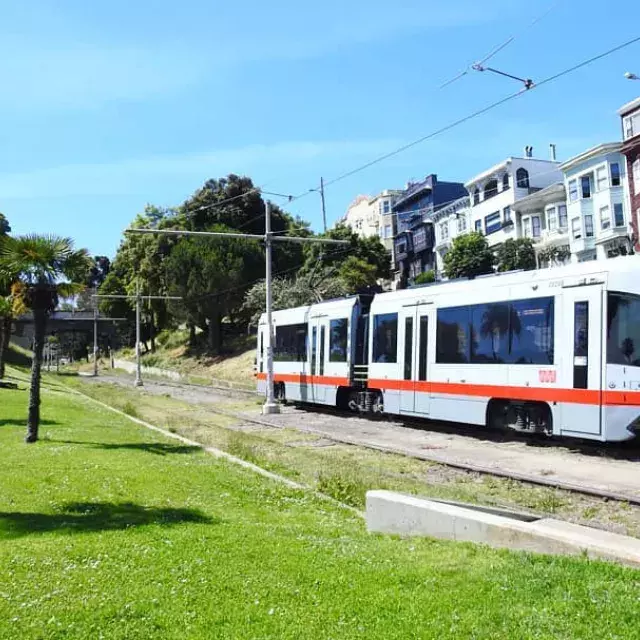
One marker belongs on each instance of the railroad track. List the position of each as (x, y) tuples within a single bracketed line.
[(631, 453)]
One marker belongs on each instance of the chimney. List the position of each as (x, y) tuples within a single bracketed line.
[(528, 151), (552, 151)]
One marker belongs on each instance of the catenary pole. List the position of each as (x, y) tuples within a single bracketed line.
[(270, 406)]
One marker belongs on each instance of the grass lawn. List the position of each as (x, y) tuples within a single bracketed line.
[(108, 530)]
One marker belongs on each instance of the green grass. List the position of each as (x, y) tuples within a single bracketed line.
[(108, 530)]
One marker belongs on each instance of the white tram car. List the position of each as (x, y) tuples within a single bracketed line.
[(554, 351)]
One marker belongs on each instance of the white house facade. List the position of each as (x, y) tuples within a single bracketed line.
[(361, 218), (450, 221), (382, 206), (494, 193), (597, 203)]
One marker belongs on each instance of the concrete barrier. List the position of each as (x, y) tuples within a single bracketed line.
[(394, 513)]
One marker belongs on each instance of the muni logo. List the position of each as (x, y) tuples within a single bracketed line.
[(547, 375)]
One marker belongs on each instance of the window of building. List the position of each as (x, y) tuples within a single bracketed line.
[(476, 196), (518, 332), (618, 214), (636, 176), (562, 216), (552, 219), (478, 225), (605, 218), (526, 227), (388, 232), (492, 222), (385, 207), (505, 181), (585, 186), (444, 230), (462, 224), (452, 335), (385, 337), (588, 225), (576, 230), (601, 178), (490, 189), (535, 226), (290, 343), (615, 174), (338, 340), (631, 125), (522, 178), (623, 329), (507, 214), (573, 190)]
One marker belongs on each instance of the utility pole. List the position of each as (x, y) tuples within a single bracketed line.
[(324, 212), (270, 406), (95, 336), (138, 298), (138, 380)]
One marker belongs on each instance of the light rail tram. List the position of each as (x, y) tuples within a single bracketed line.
[(553, 351)]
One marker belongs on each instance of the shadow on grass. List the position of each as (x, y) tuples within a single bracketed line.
[(14, 422), (83, 517), (158, 448)]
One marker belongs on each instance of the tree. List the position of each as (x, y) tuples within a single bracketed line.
[(516, 254), (6, 300), (5, 229), (468, 257), (211, 275), (426, 277), (48, 267), (101, 265)]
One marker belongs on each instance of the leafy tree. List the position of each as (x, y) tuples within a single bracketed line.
[(468, 257), (48, 267), (516, 254), (101, 265), (211, 275), (286, 293), (6, 300), (369, 251), (426, 277), (5, 229)]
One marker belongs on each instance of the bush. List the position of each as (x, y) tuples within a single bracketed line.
[(427, 277)]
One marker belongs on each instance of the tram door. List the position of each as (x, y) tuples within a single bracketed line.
[(582, 367), (318, 345), (414, 331)]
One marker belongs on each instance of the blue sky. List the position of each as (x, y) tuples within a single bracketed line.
[(108, 106)]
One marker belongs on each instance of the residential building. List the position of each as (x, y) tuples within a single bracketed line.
[(630, 115), (449, 221), (597, 204), (361, 218), (494, 192), (413, 245), (542, 216), (382, 205)]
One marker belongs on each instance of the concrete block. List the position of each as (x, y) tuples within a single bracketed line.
[(394, 513)]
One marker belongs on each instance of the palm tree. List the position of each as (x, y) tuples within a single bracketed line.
[(48, 267)]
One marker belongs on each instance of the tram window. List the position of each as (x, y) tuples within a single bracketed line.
[(490, 332), (532, 331), (338, 339), (623, 329), (385, 337), (322, 336), (408, 348), (290, 343), (314, 348), (422, 350), (261, 351), (452, 335)]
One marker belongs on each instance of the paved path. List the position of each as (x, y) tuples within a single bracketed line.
[(603, 468)]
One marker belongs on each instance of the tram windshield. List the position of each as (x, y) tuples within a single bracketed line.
[(623, 329)]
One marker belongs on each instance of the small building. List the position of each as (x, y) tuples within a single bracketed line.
[(597, 205), (382, 206), (414, 209), (630, 115), (542, 216), (494, 192), (361, 218), (450, 221)]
